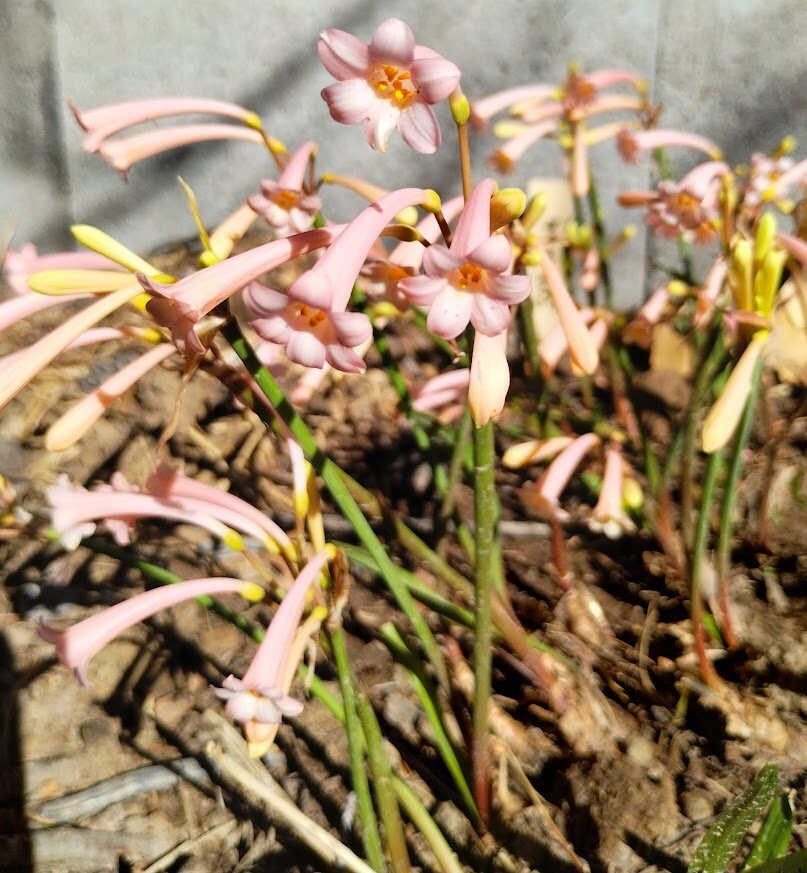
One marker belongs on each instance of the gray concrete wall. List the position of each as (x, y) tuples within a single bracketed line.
[(732, 70)]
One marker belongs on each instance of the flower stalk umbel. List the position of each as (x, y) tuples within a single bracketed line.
[(315, 302)]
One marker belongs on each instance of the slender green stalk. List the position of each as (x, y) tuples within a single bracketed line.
[(712, 359), (529, 337), (485, 518), (696, 563), (333, 478), (427, 695), (727, 510), (427, 826), (371, 837), (385, 795), (598, 222)]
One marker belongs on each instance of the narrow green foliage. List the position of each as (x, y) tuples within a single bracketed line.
[(774, 835), (794, 863), (724, 837), (427, 695)]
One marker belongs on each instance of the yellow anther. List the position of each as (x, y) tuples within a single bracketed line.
[(252, 592)]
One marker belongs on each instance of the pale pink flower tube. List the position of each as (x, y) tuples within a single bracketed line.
[(77, 645)]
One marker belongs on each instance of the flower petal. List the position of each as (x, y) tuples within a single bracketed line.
[(263, 302), (382, 119), (450, 313), (438, 261), (509, 289), (350, 101), (490, 317), (306, 349), (493, 254), (419, 128), (344, 359), (342, 55), (422, 290), (352, 328), (394, 43), (436, 78)]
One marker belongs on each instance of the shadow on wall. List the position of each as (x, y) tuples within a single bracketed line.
[(15, 839)]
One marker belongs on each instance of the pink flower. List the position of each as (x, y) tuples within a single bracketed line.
[(123, 154), (631, 143), (77, 645), (180, 306), (543, 497), (688, 208), (469, 281), (284, 204), (19, 266), (75, 423), (76, 510), (490, 377), (387, 84), (104, 121), (260, 699), (311, 320), (609, 517)]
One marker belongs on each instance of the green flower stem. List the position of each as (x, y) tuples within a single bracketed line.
[(598, 221), (383, 787), (427, 826), (485, 518), (712, 359), (166, 577), (708, 673), (371, 837), (427, 695), (420, 590), (727, 510), (333, 478), (529, 337)]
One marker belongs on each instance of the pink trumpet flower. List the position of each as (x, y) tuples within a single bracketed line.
[(311, 320), (105, 121), (76, 510), (688, 208), (41, 353), (75, 423), (168, 484), (19, 266), (284, 204), (490, 377), (609, 517), (581, 346), (387, 84), (78, 644), (180, 306), (469, 281), (522, 95), (260, 699), (631, 143), (543, 497), (123, 154)]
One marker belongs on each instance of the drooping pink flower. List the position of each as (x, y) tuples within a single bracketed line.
[(24, 368), (284, 204), (311, 320), (469, 281), (105, 121), (534, 451), (260, 699), (631, 143), (78, 644), (387, 84), (180, 306), (70, 427), (543, 497), (122, 154), (490, 377), (609, 517), (19, 266), (76, 511), (581, 347), (168, 484)]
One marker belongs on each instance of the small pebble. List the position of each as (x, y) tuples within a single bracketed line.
[(697, 805)]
